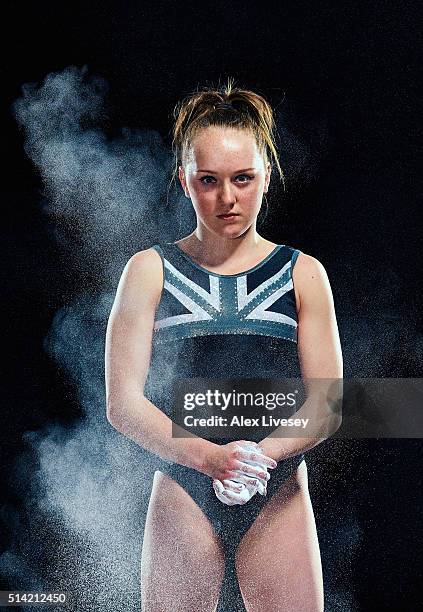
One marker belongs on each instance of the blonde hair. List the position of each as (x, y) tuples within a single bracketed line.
[(226, 106)]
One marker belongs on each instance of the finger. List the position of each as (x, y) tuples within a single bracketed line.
[(229, 498), (258, 458), (257, 487), (263, 468), (232, 485), (240, 498), (262, 489), (246, 478), (255, 471), (270, 463), (241, 477), (254, 457), (265, 460), (221, 489), (220, 492), (218, 486), (263, 481), (252, 470)]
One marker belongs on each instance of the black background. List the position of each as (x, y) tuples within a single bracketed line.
[(353, 67)]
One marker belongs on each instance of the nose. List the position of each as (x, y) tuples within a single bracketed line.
[(227, 194)]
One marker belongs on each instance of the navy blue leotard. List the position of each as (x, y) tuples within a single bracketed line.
[(209, 325)]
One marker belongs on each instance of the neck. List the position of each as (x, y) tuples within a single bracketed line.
[(215, 250)]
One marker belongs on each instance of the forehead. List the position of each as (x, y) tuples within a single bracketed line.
[(219, 147)]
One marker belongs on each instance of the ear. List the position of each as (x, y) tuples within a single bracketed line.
[(181, 175), (267, 179)]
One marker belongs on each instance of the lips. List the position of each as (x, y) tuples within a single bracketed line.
[(228, 216)]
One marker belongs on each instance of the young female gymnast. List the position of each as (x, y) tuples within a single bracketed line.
[(223, 302)]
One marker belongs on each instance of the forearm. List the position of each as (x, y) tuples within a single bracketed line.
[(321, 411), (141, 421), (283, 448)]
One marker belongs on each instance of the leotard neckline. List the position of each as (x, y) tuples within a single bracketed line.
[(196, 265)]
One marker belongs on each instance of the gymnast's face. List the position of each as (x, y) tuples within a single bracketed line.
[(224, 172)]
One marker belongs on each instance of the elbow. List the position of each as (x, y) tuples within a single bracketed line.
[(334, 424), (121, 407), (113, 413)]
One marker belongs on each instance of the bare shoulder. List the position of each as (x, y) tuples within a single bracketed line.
[(142, 277), (309, 266), (310, 279), (145, 259)]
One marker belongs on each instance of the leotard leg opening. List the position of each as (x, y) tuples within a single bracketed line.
[(230, 522)]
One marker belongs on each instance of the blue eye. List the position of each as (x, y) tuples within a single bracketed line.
[(247, 176), (205, 177)]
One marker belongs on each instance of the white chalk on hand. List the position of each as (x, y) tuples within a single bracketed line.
[(230, 497), (259, 486)]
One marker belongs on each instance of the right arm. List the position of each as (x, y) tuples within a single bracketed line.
[(128, 353)]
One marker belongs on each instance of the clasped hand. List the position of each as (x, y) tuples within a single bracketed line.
[(247, 482)]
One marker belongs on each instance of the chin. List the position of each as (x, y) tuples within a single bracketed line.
[(230, 232)]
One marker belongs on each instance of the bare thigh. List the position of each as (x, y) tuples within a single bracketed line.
[(278, 560), (182, 562)]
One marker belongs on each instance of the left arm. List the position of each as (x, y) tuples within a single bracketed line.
[(319, 351)]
